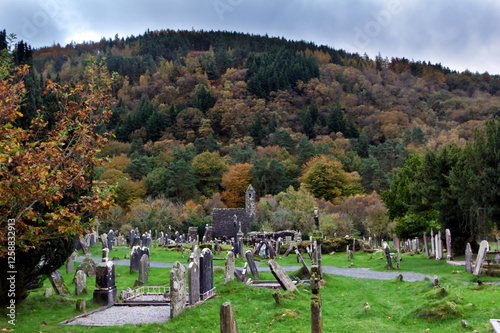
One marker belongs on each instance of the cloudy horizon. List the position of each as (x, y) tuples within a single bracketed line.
[(459, 35)]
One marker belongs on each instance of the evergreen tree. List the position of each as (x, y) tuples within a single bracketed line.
[(181, 180), (351, 131), (307, 124), (156, 126), (278, 180), (256, 130), (306, 151), (273, 124), (209, 144), (260, 173), (335, 121), (283, 139), (203, 99)]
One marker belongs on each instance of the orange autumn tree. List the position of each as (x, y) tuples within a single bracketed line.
[(235, 183), (47, 190)]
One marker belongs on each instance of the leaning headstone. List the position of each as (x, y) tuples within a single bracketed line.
[(280, 275), (251, 264), (426, 245), (272, 254), (206, 273), (244, 274), (84, 246), (58, 284), (301, 260), (144, 269), (227, 320), (290, 248), (105, 292), (194, 283), (449, 255), (468, 258), (177, 289), (483, 248), (80, 283), (70, 263), (229, 267), (388, 257)]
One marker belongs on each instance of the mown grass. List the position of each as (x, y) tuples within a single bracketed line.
[(393, 306)]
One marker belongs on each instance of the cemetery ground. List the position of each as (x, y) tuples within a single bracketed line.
[(349, 304)]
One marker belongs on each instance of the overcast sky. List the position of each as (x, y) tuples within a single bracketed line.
[(460, 34)]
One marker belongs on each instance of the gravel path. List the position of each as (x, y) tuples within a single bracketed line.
[(365, 273), (122, 315)]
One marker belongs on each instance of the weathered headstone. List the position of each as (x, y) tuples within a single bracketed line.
[(48, 292), (227, 320), (104, 240), (280, 275), (84, 246), (438, 243), (192, 234), (244, 274), (272, 254), (353, 247), (346, 252), (251, 264), (92, 240), (426, 245), (88, 266), (316, 311), (144, 269), (193, 283), (196, 255), (58, 284), (80, 305), (301, 260), (110, 239), (177, 289), (135, 258), (80, 283), (217, 246), (132, 237), (398, 260), (483, 248), (388, 257), (370, 242), (144, 240), (290, 248), (468, 258), (449, 255), (105, 292), (229, 267), (70, 263), (433, 249), (206, 273)]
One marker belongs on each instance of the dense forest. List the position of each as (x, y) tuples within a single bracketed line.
[(380, 145)]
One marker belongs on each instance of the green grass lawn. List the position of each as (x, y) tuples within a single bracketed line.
[(394, 306)]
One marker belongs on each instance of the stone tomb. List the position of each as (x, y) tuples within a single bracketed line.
[(105, 292)]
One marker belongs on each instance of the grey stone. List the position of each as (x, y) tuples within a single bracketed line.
[(280, 275), (104, 240), (206, 272), (84, 246), (316, 314), (196, 255), (58, 284), (70, 263), (229, 267), (244, 274), (80, 283), (48, 292), (433, 242), (135, 258), (426, 245), (144, 268), (251, 264), (194, 283), (468, 258), (449, 254), (88, 266), (227, 320), (483, 248), (177, 289)]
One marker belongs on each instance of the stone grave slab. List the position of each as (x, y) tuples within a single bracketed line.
[(281, 276)]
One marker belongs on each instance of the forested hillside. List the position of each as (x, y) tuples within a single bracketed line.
[(202, 114)]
